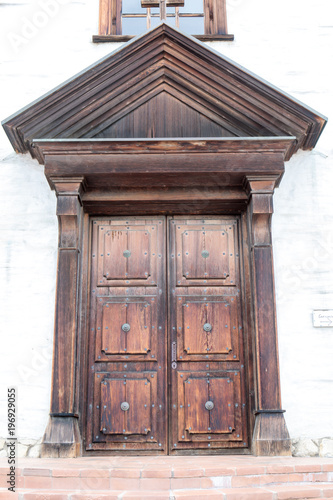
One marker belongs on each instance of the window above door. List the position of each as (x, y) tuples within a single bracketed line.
[(121, 20)]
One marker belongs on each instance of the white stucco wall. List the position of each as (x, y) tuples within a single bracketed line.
[(44, 43)]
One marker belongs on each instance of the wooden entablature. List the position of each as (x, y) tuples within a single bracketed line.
[(213, 170)]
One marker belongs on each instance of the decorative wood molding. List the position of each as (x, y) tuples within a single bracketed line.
[(270, 435), (73, 186), (62, 436)]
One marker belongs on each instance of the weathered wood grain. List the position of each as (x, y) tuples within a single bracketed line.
[(215, 17)]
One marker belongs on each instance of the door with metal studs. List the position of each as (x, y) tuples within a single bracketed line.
[(166, 360)]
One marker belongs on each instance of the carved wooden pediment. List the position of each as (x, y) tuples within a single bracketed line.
[(164, 84)]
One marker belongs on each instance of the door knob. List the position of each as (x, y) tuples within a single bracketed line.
[(207, 327), (124, 406), (126, 327)]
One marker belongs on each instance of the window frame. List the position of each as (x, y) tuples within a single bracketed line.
[(110, 29)]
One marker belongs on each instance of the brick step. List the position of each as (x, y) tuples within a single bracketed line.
[(275, 492), (121, 477), (117, 479)]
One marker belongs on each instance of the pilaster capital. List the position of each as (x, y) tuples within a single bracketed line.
[(260, 184), (69, 209), (69, 186), (260, 191)]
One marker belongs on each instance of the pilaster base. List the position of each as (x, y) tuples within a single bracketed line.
[(62, 438), (270, 435)]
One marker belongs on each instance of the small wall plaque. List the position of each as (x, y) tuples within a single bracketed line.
[(323, 318)]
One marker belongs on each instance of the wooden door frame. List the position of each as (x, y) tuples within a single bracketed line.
[(189, 176)]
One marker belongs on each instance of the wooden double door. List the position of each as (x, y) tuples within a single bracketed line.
[(166, 367)]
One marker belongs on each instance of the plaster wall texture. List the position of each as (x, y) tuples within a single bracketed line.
[(290, 44)]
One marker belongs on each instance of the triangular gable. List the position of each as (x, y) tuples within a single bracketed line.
[(164, 84), (164, 115)]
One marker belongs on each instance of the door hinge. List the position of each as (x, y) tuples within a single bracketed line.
[(174, 355)]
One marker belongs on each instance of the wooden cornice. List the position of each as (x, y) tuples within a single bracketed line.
[(165, 60), (204, 162)]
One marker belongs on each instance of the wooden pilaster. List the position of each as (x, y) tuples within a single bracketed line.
[(62, 435), (270, 436)]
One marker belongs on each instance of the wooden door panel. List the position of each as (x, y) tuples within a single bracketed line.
[(127, 254), (206, 251), (137, 422), (138, 398), (113, 339), (126, 326), (125, 406), (199, 393), (222, 392), (205, 254), (199, 422), (138, 263), (196, 395), (195, 315), (206, 327), (111, 248), (112, 395), (139, 320)]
